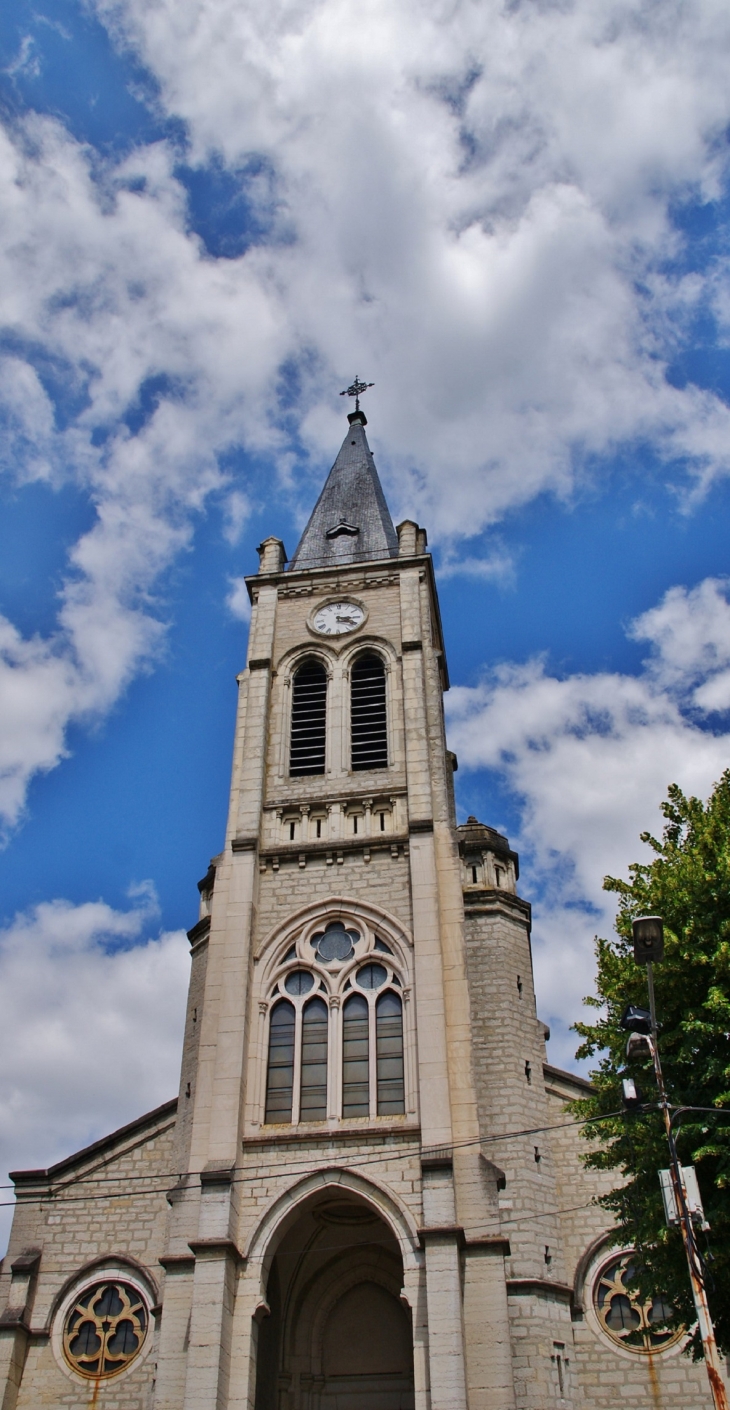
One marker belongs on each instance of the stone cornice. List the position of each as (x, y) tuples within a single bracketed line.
[(486, 901), (378, 842), (200, 931), (360, 1135)]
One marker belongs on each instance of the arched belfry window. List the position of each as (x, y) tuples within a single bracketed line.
[(280, 1073), (368, 714), (308, 719)]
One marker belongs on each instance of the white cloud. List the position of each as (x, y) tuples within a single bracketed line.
[(238, 601), (589, 759), (478, 195), (91, 1019), (690, 633), (237, 510), (470, 203)]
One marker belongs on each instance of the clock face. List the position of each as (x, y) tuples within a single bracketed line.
[(336, 618)]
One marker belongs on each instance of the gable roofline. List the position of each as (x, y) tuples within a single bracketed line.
[(156, 1117), (558, 1075)]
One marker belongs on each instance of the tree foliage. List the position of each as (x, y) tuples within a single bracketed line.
[(688, 883)]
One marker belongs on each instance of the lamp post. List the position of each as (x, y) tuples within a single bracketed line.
[(648, 949)]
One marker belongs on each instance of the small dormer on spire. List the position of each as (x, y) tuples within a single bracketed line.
[(351, 521)]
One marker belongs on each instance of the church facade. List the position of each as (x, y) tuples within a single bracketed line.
[(368, 1194)]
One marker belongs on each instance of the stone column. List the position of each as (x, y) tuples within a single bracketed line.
[(217, 1116), (486, 1321), (443, 1239)]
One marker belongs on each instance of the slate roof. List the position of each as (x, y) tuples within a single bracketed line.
[(351, 521)]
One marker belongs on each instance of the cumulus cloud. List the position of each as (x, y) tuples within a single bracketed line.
[(238, 601), (589, 758), (91, 1020), (478, 204), (472, 203), (99, 272)]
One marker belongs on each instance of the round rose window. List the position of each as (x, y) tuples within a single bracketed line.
[(636, 1322), (105, 1329)]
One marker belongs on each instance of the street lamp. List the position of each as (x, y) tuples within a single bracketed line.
[(648, 932)]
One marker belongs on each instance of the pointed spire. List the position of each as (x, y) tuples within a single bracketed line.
[(350, 522)]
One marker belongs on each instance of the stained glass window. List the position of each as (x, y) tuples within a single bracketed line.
[(280, 1074), (389, 1050), (355, 1057), (313, 1106), (634, 1321), (105, 1329)]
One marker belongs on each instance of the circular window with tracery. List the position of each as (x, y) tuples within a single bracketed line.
[(105, 1328), (633, 1321)]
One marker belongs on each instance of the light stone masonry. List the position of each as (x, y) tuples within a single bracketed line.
[(369, 1194)]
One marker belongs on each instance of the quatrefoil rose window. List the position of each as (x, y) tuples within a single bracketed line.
[(629, 1319), (105, 1328)]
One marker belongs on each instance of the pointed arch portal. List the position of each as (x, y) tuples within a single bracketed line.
[(337, 1336)]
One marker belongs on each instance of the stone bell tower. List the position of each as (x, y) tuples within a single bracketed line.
[(368, 1194), (343, 868)]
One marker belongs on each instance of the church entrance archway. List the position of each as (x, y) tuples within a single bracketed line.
[(337, 1336)]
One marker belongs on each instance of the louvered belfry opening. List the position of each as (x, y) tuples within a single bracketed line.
[(308, 719), (368, 714)]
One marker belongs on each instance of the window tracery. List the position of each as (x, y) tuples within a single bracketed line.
[(627, 1317), (336, 1029), (104, 1328)]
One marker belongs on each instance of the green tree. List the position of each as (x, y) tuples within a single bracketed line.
[(688, 883)]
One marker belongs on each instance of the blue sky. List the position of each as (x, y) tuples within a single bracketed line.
[(514, 221)]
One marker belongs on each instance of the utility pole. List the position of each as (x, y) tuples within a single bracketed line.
[(648, 948)]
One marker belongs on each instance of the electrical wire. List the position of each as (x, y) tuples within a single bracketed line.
[(374, 1158)]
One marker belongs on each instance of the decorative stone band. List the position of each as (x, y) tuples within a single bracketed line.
[(372, 1137), (376, 842)]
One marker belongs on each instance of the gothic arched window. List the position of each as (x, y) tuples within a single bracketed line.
[(355, 1057), (335, 1025), (313, 1101), (280, 1073), (308, 719), (368, 714), (389, 1051)]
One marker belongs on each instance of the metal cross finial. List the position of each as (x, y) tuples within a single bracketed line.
[(356, 390)]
